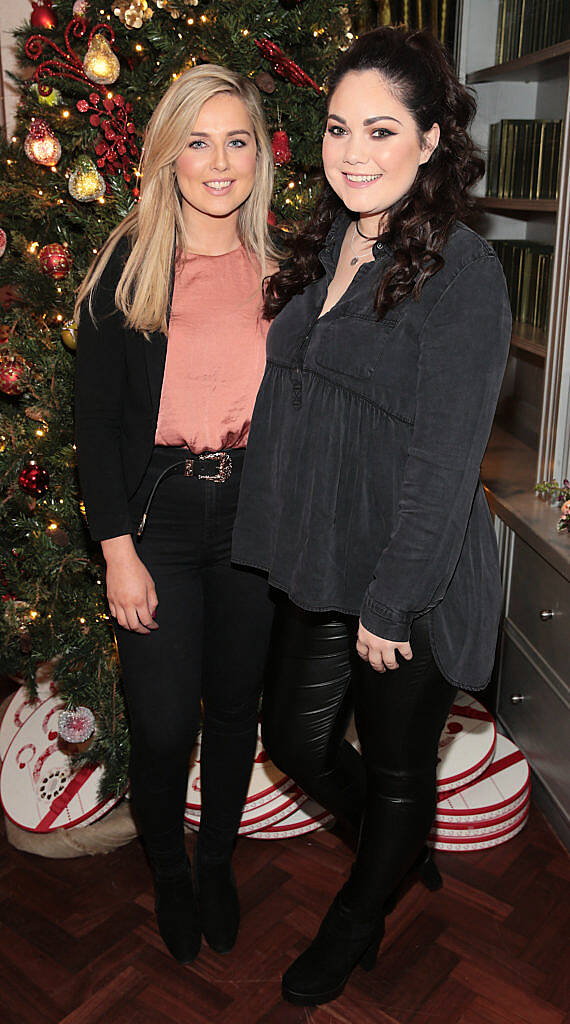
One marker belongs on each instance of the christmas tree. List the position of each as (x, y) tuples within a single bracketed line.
[(90, 77)]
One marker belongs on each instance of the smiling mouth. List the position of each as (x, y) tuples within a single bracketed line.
[(219, 185), (360, 179)]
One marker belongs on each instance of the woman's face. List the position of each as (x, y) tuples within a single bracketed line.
[(371, 147), (216, 171)]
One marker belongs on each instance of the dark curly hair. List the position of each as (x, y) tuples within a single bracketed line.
[(418, 70)]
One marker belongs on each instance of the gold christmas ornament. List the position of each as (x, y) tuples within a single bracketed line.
[(69, 335), (133, 13), (41, 145), (85, 183), (100, 63)]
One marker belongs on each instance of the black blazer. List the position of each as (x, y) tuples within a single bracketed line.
[(118, 381)]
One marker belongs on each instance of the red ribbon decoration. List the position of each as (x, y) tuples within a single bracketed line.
[(71, 66), (285, 67)]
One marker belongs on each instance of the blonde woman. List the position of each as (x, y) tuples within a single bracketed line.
[(171, 352)]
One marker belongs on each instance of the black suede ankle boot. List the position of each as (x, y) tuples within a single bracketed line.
[(177, 914), (344, 940), (218, 902)]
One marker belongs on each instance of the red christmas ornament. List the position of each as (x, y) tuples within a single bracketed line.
[(12, 372), (55, 260), (284, 66), (281, 148), (41, 145), (42, 15), (272, 219), (34, 479)]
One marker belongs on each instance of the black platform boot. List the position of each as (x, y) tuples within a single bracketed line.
[(177, 914), (218, 901), (344, 940)]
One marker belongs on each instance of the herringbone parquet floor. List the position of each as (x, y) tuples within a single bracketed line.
[(78, 942)]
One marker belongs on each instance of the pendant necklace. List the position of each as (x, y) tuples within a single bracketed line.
[(357, 256)]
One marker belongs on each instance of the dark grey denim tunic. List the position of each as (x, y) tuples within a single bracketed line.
[(361, 489)]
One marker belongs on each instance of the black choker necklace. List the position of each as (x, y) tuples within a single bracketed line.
[(367, 237)]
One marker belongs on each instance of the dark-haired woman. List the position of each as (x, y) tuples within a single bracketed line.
[(361, 495)]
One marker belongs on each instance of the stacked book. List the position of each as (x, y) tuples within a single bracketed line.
[(524, 26), (527, 267), (483, 785), (523, 159)]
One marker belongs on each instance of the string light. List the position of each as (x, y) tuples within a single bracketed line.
[(33, 614), (33, 248), (52, 526), (65, 113)]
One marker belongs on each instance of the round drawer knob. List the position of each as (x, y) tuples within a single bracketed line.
[(546, 614), (517, 698)]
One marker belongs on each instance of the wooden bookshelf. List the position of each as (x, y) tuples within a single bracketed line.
[(517, 207), (533, 67), (531, 339)]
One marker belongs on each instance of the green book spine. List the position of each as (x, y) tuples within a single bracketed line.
[(500, 32), (493, 159), (534, 311), (510, 6), (539, 158), (502, 156), (527, 270), (547, 159), (545, 18), (539, 29), (522, 15), (526, 160), (512, 131), (556, 146)]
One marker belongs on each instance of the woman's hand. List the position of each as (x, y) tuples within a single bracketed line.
[(130, 587), (379, 653)]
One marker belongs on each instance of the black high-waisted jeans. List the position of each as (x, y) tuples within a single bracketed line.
[(314, 681), (211, 646)]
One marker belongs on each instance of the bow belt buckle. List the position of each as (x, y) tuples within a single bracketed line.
[(224, 467)]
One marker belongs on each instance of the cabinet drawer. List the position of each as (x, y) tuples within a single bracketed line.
[(538, 588), (539, 724)]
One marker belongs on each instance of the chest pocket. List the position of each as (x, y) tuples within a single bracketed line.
[(353, 345)]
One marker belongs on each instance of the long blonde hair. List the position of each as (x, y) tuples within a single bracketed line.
[(155, 225)]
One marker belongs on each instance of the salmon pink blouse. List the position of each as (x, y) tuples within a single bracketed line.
[(215, 355)]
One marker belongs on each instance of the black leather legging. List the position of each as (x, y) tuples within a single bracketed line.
[(315, 680)]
